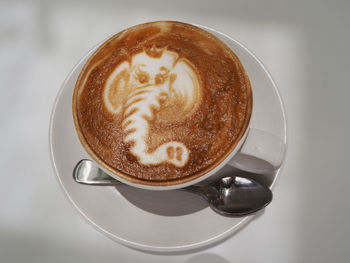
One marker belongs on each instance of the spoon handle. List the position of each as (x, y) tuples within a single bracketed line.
[(85, 172)]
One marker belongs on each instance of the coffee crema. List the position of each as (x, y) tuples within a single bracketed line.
[(161, 103)]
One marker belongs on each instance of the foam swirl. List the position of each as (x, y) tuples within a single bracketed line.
[(155, 84)]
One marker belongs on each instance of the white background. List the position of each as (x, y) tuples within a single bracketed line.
[(304, 45)]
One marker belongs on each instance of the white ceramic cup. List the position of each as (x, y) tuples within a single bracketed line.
[(257, 151)]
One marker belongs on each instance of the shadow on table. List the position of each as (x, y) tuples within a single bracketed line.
[(207, 258)]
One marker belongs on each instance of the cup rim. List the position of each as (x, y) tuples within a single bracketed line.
[(175, 183)]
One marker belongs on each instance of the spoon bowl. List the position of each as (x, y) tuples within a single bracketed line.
[(232, 196)]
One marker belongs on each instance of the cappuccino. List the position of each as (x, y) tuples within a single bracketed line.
[(161, 103)]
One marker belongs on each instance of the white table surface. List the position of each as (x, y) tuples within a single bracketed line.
[(304, 45)]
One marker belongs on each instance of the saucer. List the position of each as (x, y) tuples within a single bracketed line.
[(162, 221)]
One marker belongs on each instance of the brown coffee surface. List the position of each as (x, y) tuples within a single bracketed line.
[(162, 103)]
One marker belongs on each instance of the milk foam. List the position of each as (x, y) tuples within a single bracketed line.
[(139, 91)]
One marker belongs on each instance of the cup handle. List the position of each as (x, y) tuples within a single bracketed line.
[(262, 152)]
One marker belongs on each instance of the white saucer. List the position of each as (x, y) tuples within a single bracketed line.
[(157, 221)]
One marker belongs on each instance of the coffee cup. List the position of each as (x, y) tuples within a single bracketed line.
[(165, 105)]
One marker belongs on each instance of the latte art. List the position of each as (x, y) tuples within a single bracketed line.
[(140, 89), (161, 103)]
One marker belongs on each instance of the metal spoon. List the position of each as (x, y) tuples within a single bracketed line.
[(230, 196)]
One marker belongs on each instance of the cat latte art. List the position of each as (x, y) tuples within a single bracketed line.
[(161, 103)]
